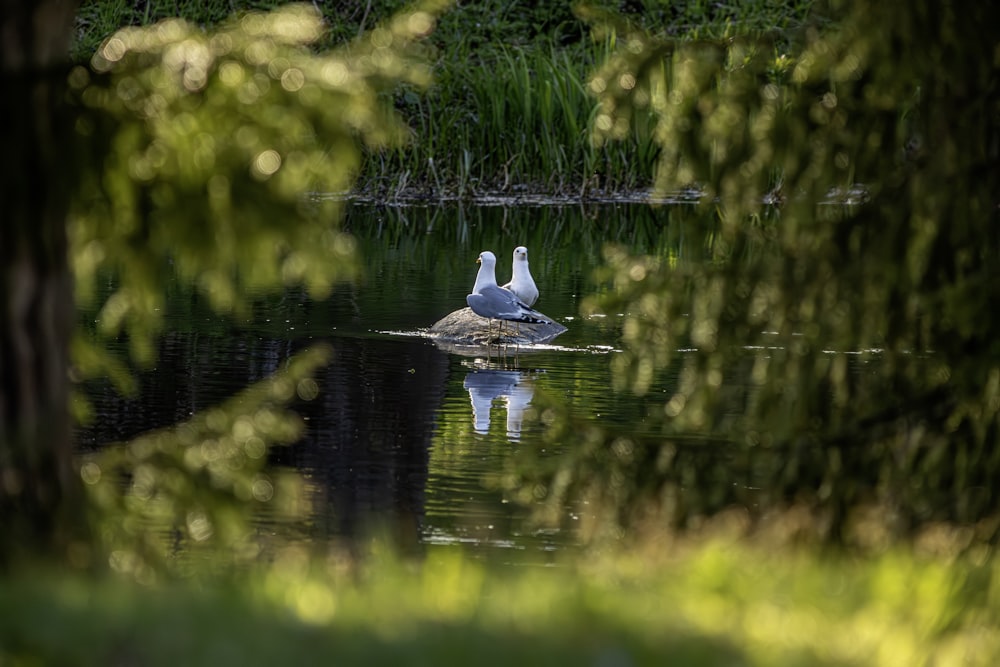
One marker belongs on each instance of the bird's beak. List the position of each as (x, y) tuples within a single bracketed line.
[(479, 260)]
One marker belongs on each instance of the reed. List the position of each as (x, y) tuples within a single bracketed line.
[(509, 119)]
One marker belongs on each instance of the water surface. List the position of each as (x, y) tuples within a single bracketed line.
[(406, 434)]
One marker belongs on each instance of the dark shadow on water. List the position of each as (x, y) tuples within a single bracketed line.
[(369, 437), (366, 448)]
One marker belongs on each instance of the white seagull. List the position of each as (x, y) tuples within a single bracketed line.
[(491, 301), (521, 282)]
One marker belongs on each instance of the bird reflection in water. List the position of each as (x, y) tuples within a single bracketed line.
[(487, 385)]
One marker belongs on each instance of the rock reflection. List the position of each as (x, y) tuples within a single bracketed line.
[(487, 385)]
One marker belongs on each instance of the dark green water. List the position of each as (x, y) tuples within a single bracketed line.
[(406, 434)]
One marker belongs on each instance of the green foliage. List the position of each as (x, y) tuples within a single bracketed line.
[(513, 119), (509, 111), (204, 147), (481, 23), (711, 604), (522, 128), (701, 19), (847, 331), (201, 149)]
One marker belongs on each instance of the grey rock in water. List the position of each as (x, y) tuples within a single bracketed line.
[(464, 327)]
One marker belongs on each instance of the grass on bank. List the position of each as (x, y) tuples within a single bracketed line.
[(509, 111), (512, 120), (722, 602)]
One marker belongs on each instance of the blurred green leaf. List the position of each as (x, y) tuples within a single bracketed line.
[(206, 149), (837, 352)]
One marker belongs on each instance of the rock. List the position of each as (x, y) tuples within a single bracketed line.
[(464, 327)]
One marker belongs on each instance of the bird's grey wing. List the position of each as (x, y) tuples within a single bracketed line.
[(527, 297), (513, 308), (478, 305), (491, 303), (497, 303), (503, 302)]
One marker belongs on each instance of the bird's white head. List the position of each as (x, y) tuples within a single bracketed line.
[(521, 253), (486, 277)]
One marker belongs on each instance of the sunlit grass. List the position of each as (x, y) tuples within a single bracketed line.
[(715, 603)]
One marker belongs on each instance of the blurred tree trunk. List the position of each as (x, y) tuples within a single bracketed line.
[(40, 494)]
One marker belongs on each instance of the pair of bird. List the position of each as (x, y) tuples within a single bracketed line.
[(513, 301)]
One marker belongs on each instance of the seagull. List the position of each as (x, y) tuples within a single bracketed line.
[(491, 301), (521, 283)]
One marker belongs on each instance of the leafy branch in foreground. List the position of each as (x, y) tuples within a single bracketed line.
[(203, 145), (195, 487), (181, 157), (843, 350)]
